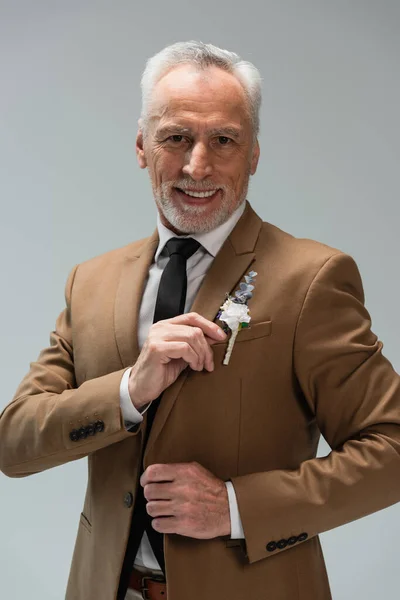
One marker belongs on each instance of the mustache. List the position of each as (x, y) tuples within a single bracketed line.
[(198, 186)]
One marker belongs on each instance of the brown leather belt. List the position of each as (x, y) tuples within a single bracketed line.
[(151, 587)]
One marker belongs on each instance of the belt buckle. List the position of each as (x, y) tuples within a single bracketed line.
[(145, 589)]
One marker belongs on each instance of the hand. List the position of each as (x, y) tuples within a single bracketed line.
[(172, 345), (187, 499)]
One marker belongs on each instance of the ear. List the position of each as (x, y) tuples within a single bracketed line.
[(140, 149), (255, 157)]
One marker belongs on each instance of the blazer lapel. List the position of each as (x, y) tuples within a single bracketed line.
[(128, 298), (225, 273)]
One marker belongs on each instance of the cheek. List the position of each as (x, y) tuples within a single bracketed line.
[(236, 179), (242, 173), (235, 169), (165, 166)]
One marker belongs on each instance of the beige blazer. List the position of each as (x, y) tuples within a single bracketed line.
[(308, 364)]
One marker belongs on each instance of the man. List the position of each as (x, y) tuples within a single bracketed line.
[(203, 476)]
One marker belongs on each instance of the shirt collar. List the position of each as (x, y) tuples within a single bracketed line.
[(211, 241)]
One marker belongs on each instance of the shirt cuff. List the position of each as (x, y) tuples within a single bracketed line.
[(130, 414), (236, 522)]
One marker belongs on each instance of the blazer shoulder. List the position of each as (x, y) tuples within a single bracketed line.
[(102, 272), (300, 259), (304, 251), (112, 258)]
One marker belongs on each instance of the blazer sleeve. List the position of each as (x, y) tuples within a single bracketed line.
[(354, 393), (50, 421)]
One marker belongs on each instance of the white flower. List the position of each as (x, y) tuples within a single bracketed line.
[(234, 313)]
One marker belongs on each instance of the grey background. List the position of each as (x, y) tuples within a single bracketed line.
[(70, 189)]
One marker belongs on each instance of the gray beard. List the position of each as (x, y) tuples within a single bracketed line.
[(190, 219)]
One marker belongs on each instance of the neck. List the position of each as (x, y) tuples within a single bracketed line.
[(167, 224)]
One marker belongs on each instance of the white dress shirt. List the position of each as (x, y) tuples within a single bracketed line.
[(196, 268)]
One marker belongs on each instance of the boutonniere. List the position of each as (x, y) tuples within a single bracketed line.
[(234, 313)]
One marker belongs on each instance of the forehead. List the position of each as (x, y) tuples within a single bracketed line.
[(211, 95)]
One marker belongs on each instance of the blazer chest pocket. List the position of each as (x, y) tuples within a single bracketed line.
[(248, 349), (254, 331)]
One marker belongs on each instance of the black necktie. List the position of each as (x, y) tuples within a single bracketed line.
[(171, 295), (170, 302)]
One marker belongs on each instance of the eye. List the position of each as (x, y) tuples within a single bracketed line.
[(176, 138), (223, 140)]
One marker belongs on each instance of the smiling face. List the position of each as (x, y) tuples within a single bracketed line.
[(198, 148)]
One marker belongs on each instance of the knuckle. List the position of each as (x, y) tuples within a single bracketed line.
[(156, 525), (153, 329), (186, 346), (191, 468), (195, 333), (152, 471), (187, 492), (158, 324), (152, 345)]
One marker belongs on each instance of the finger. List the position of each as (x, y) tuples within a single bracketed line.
[(164, 351), (178, 331), (166, 524), (199, 344), (179, 526), (209, 328), (195, 337), (211, 342), (191, 335), (158, 491), (160, 508), (173, 350), (208, 353), (159, 472)]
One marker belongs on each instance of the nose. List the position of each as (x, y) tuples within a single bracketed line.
[(198, 164)]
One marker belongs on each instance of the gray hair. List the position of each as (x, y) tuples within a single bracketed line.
[(202, 56)]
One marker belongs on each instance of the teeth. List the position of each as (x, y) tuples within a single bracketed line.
[(200, 194)]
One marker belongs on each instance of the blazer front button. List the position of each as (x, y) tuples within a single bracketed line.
[(271, 546), (99, 426), (128, 500), (302, 537), (282, 544)]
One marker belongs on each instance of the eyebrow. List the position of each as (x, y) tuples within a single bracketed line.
[(179, 130)]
